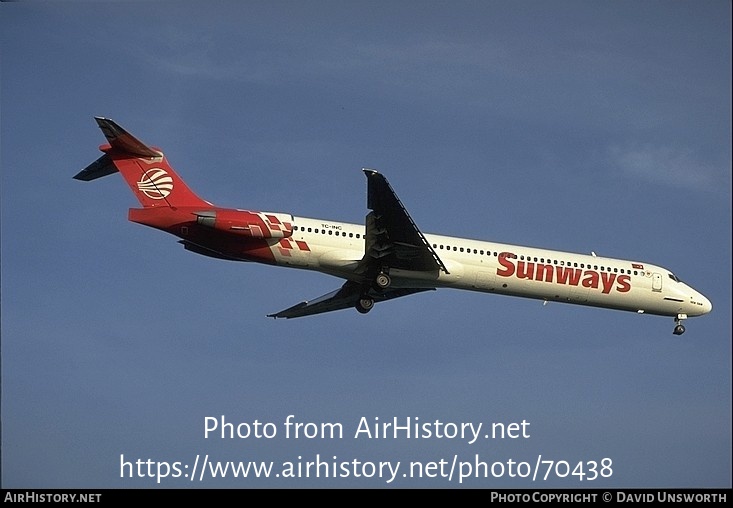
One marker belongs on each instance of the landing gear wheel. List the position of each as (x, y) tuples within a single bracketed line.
[(679, 328), (364, 304), (383, 281)]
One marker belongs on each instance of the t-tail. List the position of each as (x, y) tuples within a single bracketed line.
[(144, 168)]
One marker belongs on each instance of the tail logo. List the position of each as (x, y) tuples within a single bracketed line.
[(155, 184)]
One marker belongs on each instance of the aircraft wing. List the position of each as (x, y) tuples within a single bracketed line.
[(392, 237), (392, 240), (343, 298)]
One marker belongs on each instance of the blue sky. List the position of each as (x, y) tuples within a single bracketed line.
[(575, 126)]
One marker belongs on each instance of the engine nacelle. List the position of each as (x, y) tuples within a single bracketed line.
[(246, 223)]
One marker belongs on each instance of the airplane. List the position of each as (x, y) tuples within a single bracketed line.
[(388, 256)]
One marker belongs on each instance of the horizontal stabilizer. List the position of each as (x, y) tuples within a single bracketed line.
[(146, 171), (97, 169), (122, 140)]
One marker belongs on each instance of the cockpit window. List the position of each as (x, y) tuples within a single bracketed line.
[(674, 277)]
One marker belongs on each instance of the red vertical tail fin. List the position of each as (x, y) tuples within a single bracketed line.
[(145, 169)]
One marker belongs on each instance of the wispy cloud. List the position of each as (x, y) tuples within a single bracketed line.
[(675, 167)]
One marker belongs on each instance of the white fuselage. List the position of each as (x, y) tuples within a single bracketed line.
[(336, 248)]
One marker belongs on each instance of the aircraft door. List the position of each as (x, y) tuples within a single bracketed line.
[(656, 282)]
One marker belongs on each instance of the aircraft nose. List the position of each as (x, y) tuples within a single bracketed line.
[(707, 305)]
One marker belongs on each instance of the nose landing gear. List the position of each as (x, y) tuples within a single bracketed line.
[(679, 328)]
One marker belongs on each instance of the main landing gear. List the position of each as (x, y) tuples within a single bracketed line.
[(382, 280), (366, 302), (679, 328)]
